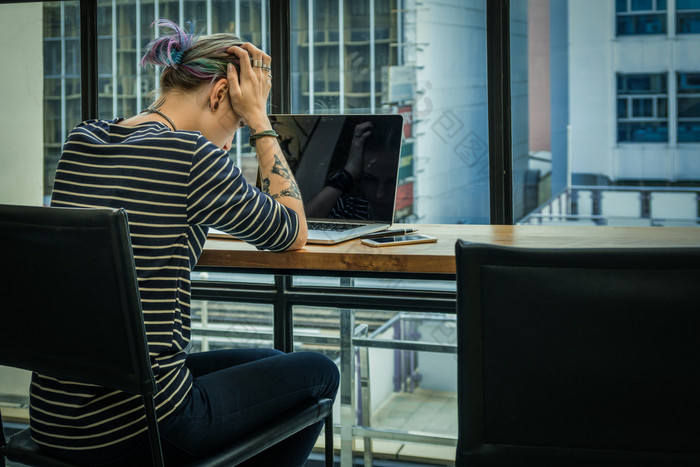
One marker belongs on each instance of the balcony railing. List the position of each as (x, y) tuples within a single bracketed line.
[(620, 205)]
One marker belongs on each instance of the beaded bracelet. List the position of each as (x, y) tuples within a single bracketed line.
[(260, 134)]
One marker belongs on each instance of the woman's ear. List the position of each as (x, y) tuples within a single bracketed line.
[(218, 94)]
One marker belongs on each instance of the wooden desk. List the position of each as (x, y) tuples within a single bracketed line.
[(432, 261), (438, 258)]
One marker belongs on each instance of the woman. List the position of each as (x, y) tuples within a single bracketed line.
[(168, 167)]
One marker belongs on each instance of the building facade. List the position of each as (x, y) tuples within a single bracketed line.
[(625, 110)]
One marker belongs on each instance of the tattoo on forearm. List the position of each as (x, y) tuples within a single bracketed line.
[(291, 192), (265, 182), (278, 168)]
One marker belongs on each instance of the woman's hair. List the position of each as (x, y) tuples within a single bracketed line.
[(189, 60)]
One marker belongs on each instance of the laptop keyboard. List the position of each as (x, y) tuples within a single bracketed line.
[(332, 226)]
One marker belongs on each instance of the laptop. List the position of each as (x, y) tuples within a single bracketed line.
[(346, 167)]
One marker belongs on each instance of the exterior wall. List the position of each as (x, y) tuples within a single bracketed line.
[(450, 113), (596, 56), (591, 86), (538, 70), (559, 94)]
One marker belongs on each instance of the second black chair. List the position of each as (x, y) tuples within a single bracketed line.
[(578, 357)]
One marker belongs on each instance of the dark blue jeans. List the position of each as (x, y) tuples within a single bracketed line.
[(234, 392)]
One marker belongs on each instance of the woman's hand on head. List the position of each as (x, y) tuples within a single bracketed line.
[(249, 92), (355, 160)]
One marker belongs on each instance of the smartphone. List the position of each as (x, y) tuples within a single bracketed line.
[(399, 240)]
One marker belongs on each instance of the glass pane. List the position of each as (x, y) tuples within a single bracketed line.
[(689, 132), (641, 83), (640, 5), (662, 107), (641, 24), (621, 108), (689, 107), (595, 132), (642, 108), (365, 56), (688, 23), (25, 58), (230, 325), (688, 4), (689, 83), (125, 88), (61, 100), (642, 132), (195, 11)]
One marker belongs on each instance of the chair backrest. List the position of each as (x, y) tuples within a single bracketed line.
[(578, 357), (70, 301)]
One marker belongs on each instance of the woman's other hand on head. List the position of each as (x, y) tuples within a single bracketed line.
[(249, 91)]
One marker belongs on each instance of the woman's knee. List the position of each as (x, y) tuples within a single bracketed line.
[(325, 369)]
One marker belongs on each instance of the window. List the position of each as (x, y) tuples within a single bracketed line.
[(688, 17), (688, 107), (62, 100), (642, 108), (124, 88), (640, 17), (371, 56)]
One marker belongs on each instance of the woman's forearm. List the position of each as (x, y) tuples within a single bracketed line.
[(277, 181)]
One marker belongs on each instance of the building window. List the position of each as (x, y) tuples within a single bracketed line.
[(642, 108), (640, 17), (689, 107), (687, 16)]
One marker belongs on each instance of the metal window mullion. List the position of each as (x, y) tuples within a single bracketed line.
[(341, 56), (372, 59), (280, 13), (115, 85), (630, 110), (671, 21), (209, 17), (64, 125), (136, 57), (156, 28), (263, 26), (310, 32), (237, 11), (499, 112), (88, 59), (399, 31), (237, 31), (672, 108)]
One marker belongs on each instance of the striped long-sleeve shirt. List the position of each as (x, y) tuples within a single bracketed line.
[(173, 185)]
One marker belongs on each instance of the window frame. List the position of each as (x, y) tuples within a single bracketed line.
[(692, 92), (632, 18), (684, 13), (658, 98)]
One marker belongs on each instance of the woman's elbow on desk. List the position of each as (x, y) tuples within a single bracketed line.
[(300, 240)]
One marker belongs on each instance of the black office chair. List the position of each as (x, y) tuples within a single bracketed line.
[(578, 357), (61, 264)]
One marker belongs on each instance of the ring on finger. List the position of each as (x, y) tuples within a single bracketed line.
[(257, 63)]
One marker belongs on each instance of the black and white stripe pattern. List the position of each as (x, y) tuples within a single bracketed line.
[(173, 185)]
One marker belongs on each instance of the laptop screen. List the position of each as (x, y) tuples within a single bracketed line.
[(346, 166)]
